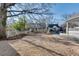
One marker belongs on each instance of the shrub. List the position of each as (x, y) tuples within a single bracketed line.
[(20, 24)]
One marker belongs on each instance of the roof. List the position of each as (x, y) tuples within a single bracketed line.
[(51, 25), (73, 20)]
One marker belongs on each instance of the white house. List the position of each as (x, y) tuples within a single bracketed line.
[(72, 25)]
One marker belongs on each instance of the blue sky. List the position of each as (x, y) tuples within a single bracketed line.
[(64, 8)]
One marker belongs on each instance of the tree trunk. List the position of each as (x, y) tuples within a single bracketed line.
[(3, 17)]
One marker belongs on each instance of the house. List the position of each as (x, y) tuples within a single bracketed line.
[(72, 25), (37, 27), (41, 27), (54, 29)]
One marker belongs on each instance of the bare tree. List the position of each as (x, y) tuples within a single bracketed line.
[(12, 10), (3, 18)]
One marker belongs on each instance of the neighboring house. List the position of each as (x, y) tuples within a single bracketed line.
[(72, 24), (54, 29), (37, 27), (41, 27)]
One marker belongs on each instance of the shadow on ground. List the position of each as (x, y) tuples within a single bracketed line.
[(7, 50)]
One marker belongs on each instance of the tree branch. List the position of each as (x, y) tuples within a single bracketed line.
[(15, 15), (9, 4)]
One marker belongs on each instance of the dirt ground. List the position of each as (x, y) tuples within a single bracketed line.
[(46, 45)]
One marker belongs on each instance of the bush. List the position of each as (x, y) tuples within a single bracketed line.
[(20, 24)]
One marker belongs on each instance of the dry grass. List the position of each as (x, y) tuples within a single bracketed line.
[(43, 45)]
